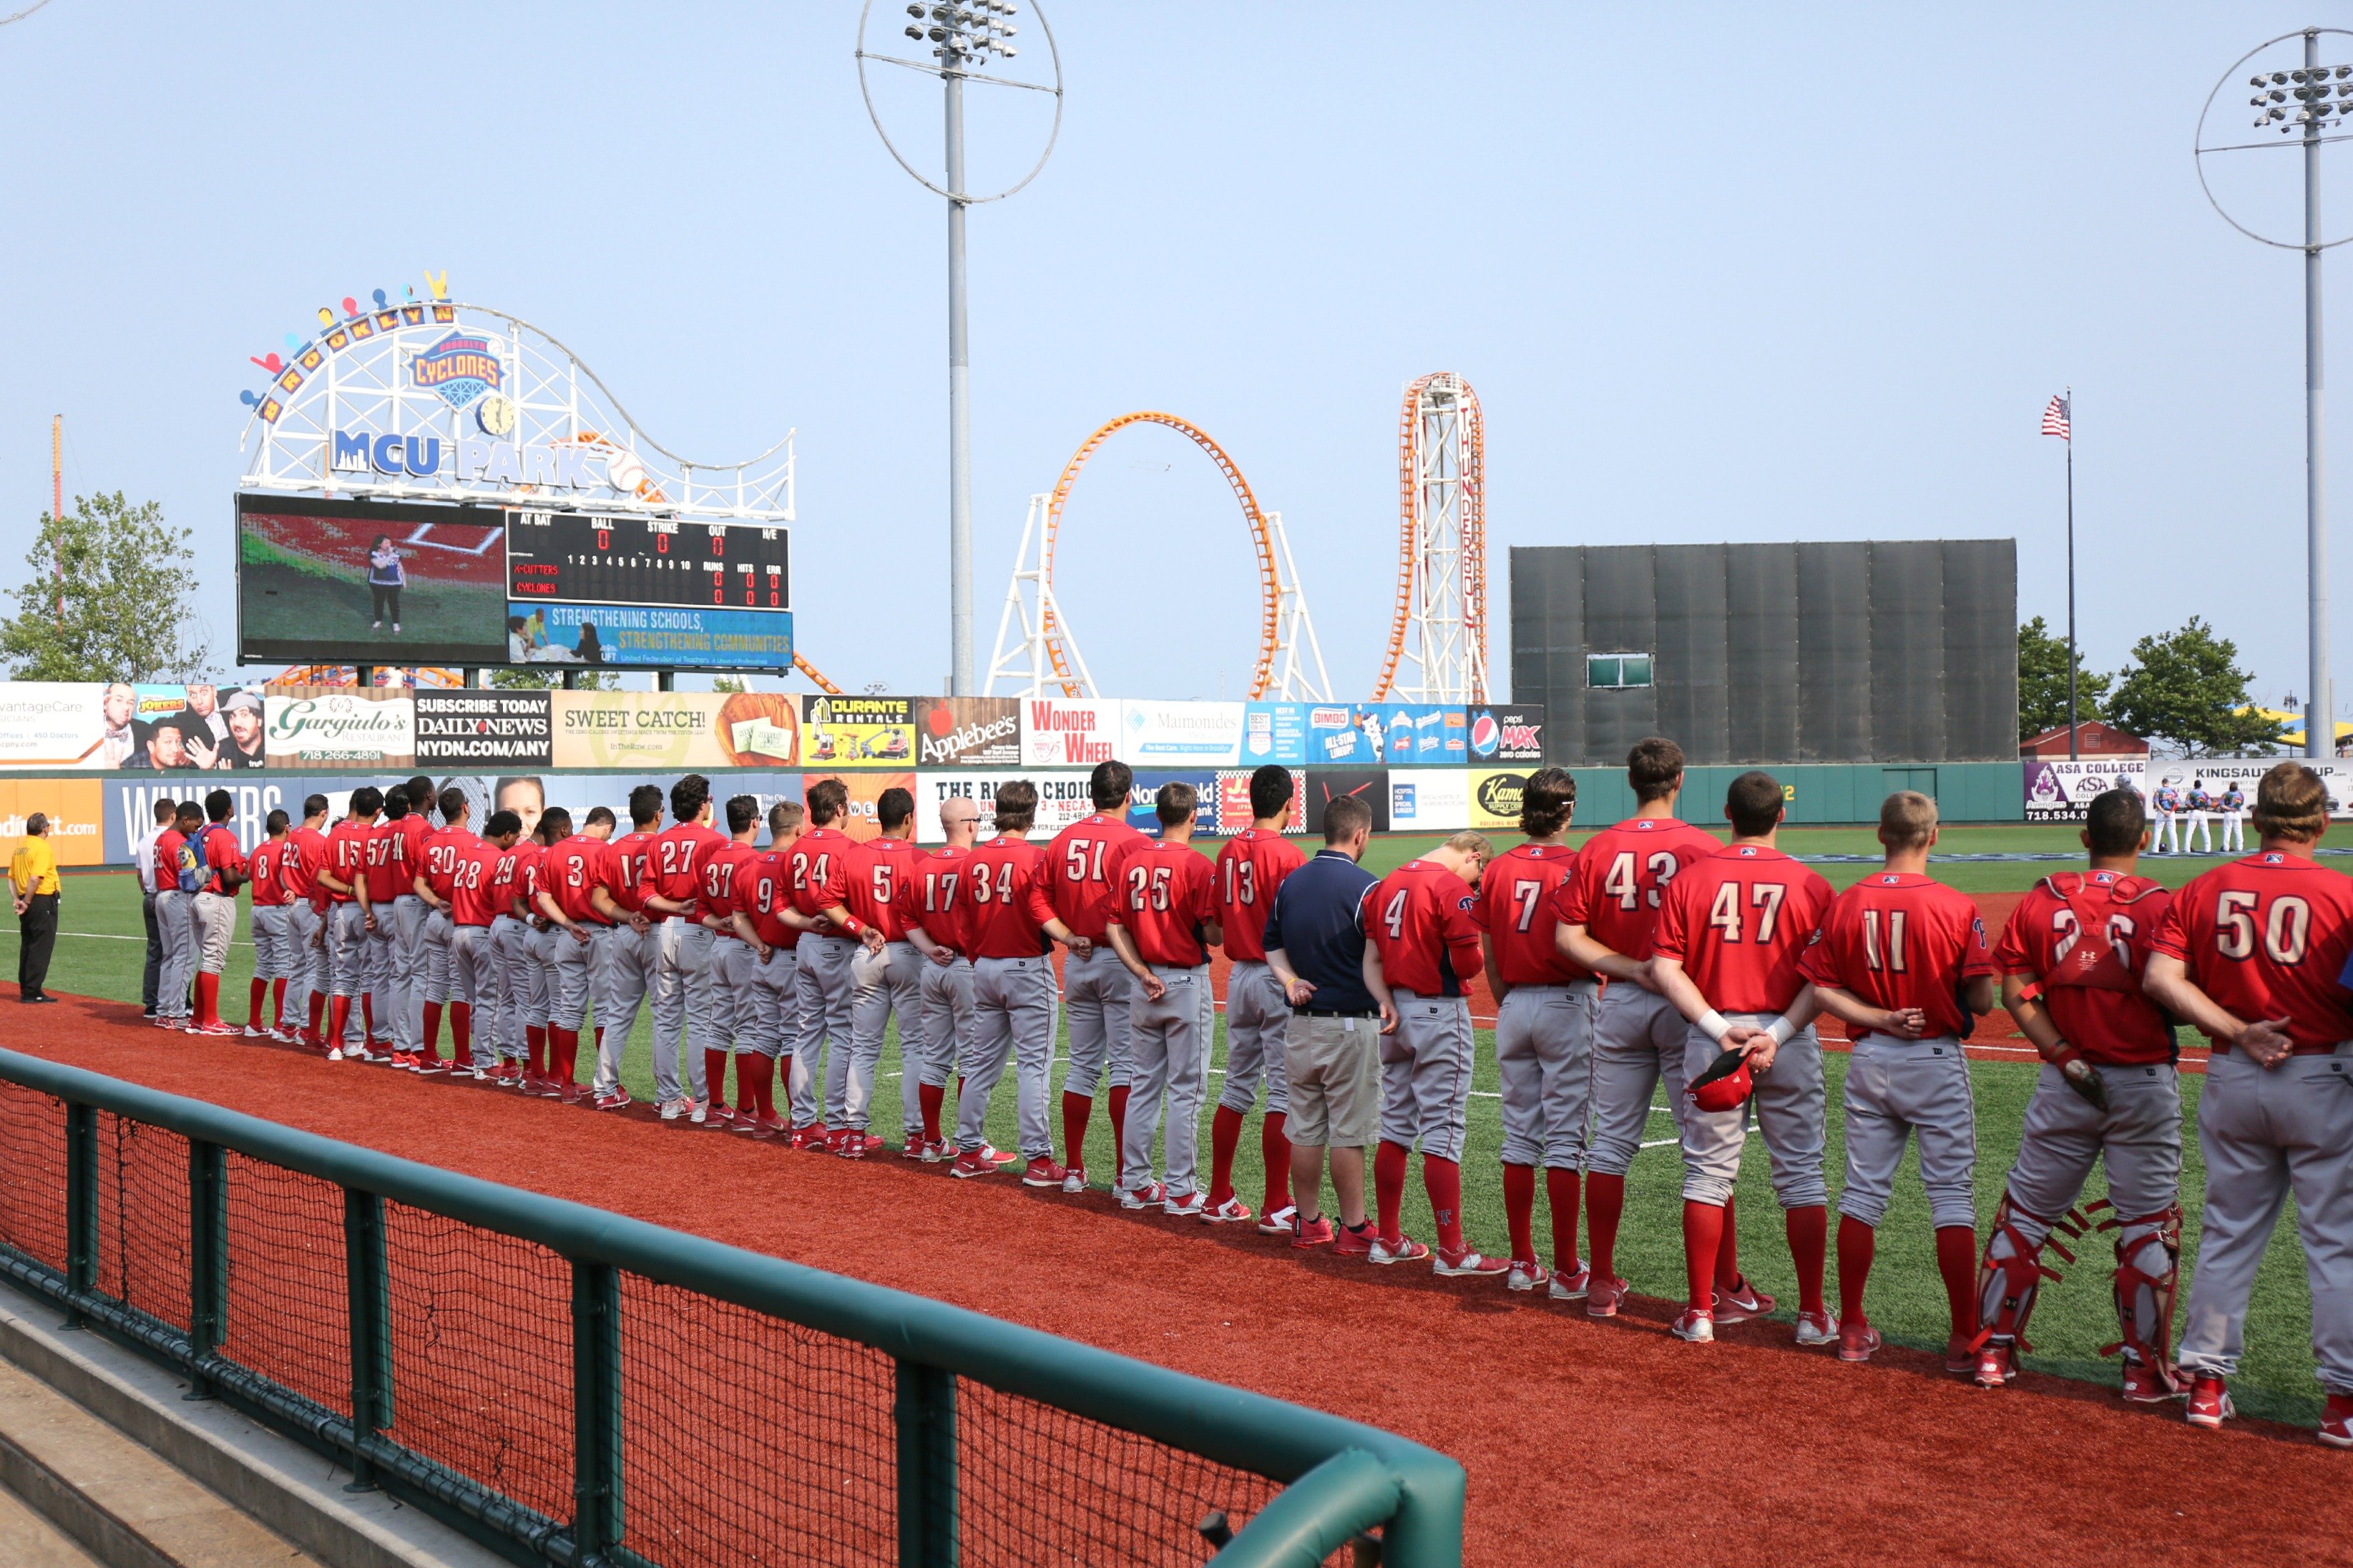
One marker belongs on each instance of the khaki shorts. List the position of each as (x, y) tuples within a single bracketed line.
[(1333, 1066)]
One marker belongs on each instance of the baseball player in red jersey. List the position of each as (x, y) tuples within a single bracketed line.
[(1424, 949), (221, 870), (1162, 923), (390, 875), (2254, 954), (311, 981), (1013, 997), (826, 989), (1731, 928), (476, 901), (942, 931), (633, 956), (673, 877), (768, 928), (1902, 960), (1251, 870), (889, 982), (275, 960), (345, 875), (509, 934), (435, 885), (731, 961), (1606, 914), (2070, 961), (569, 876), (408, 912), (1544, 1033), (1096, 988), (533, 981)]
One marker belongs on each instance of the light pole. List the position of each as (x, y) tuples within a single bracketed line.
[(967, 37), (2313, 103)]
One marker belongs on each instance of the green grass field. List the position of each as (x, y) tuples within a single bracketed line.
[(2073, 1319)]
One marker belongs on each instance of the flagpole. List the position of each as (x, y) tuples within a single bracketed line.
[(2071, 575)]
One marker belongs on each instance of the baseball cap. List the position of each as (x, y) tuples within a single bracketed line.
[(242, 699), (1725, 1086)]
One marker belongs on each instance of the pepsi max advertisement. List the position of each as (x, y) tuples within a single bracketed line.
[(1507, 734)]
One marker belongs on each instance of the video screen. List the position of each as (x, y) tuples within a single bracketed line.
[(360, 581)]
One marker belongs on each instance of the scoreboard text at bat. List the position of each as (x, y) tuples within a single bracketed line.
[(595, 558)]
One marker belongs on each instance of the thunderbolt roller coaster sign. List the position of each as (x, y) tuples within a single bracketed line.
[(410, 463)]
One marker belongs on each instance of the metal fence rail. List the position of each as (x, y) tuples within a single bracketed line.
[(569, 1386)]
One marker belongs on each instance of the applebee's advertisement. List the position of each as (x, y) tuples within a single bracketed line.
[(967, 733)]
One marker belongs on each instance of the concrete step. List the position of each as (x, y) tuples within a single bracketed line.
[(28, 1541)]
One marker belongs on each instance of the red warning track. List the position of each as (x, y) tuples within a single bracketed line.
[(1584, 1441)]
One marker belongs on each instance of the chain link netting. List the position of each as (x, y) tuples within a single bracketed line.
[(33, 1174), (142, 1217), (288, 1309)]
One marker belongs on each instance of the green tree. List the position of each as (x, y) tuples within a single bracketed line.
[(2187, 687), (126, 593), (2042, 683), (539, 677)]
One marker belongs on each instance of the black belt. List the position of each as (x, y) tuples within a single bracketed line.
[(1329, 1013)]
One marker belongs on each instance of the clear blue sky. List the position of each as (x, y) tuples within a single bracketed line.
[(1723, 274)]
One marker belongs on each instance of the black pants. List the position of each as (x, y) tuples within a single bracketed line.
[(153, 973), (38, 928), (386, 602)]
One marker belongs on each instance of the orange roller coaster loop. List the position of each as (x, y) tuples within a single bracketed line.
[(1270, 580), (1421, 572)]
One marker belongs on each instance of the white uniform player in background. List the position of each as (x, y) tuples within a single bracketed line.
[(2235, 819)]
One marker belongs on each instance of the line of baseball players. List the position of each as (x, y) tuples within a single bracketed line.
[(1654, 956), (2177, 817)]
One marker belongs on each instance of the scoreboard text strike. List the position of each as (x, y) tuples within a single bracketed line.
[(329, 580)]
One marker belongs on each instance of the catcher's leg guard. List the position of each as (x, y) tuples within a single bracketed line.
[(2148, 1255), (2012, 1273)]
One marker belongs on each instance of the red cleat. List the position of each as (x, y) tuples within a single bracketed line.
[(1317, 1232), (1602, 1297), (1858, 1341), (1741, 1304), (1043, 1173), (2146, 1384), (1695, 1327), (2337, 1422), (1997, 1365), (2210, 1403), (811, 1136), (970, 1163)]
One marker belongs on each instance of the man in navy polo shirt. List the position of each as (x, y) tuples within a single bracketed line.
[(1315, 947)]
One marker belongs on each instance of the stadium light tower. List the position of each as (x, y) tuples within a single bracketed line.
[(2313, 104), (967, 38)]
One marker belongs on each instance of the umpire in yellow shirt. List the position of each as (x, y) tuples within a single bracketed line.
[(33, 870)]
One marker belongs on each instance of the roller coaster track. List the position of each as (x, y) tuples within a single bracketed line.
[(1440, 626)]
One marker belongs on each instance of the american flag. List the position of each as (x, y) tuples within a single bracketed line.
[(2054, 419)]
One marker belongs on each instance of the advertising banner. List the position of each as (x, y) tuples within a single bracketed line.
[(488, 729), (679, 731), (116, 725), (76, 809), (1234, 812), (1508, 734), (1142, 814), (1341, 734), (314, 727), (1068, 732), (1420, 734), (1275, 732), (129, 805), (670, 636), (1495, 797), (1063, 798), (1326, 785), (967, 733), (866, 789), (2062, 790), (1429, 800), (1181, 734), (855, 731)]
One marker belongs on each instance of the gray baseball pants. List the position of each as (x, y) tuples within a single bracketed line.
[(1014, 1003), (825, 997), (889, 986), (947, 1022), (1097, 992), (2267, 1133), (1543, 1058), (1426, 1074), (408, 912), (474, 981), (1638, 1042), (273, 943), (2139, 1137), (176, 923), (1258, 1019), (1896, 1089), (677, 990), (1791, 1107), (1169, 1058), (579, 974)]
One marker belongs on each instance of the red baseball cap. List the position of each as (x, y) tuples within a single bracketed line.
[(1725, 1086)]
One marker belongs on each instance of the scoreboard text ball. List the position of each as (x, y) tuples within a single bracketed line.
[(586, 557)]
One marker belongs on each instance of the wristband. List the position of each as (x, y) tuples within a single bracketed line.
[(852, 924), (1714, 1025), (1781, 1029), (2063, 1055)]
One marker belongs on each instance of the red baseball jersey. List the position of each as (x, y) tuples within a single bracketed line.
[(1739, 920), (882, 885), (528, 855), (2111, 920), (441, 865), (299, 870), (575, 867), (221, 853), (942, 903), (385, 879), (347, 853), (717, 896), (1167, 892), (2266, 937), (625, 869), (673, 869), (1622, 877), (1421, 921), (475, 892), (764, 891), (1249, 869), (168, 845), (270, 888), (1081, 857), (1010, 905), (407, 850), (821, 860), (506, 879), (1520, 896), (1896, 940)]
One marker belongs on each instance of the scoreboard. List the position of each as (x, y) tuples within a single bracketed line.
[(591, 558)]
